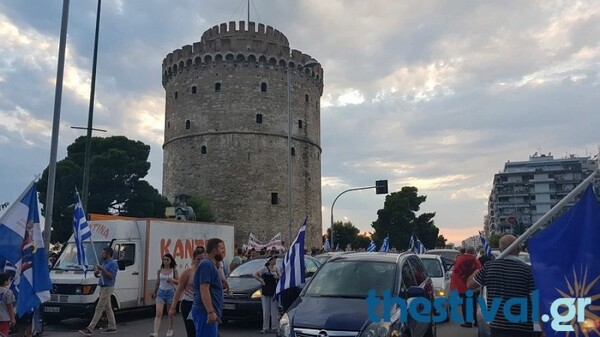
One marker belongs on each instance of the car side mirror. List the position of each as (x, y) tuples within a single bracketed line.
[(415, 292), (121, 264)]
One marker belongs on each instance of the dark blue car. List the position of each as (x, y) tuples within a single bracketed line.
[(334, 302)]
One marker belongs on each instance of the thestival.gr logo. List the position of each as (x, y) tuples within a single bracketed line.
[(563, 310)]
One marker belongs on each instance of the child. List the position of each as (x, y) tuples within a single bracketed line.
[(7, 299)]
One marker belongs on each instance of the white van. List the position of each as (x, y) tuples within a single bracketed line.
[(138, 246)]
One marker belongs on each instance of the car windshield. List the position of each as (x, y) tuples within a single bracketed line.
[(352, 279), (250, 267), (433, 266), (323, 258), (68, 258)]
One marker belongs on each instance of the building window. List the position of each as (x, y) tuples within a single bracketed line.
[(259, 118), (176, 94), (299, 124), (293, 150), (187, 124), (263, 87), (168, 125), (306, 98), (194, 90), (217, 87), (203, 149), (274, 198)]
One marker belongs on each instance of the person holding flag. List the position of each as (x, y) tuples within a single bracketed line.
[(22, 246), (292, 271)]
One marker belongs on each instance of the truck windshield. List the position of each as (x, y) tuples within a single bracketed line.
[(68, 258)]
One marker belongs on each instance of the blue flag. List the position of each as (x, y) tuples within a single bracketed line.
[(411, 244), (421, 247), (81, 232), (293, 273), (565, 263), (372, 247), (485, 245), (22, 245), (385, 247)]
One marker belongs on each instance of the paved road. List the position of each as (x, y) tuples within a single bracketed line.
[(139, 323)]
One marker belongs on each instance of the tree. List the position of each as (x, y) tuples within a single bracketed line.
[(494, 241), (441, 241), (344, 234), (362, 241), (117, 167), (399, 220), (201, 209)]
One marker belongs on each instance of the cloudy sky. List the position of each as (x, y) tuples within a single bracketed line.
[(433, 94)]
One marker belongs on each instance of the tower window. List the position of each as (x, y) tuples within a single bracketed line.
[(168, 125), (293, 150), (194, 90), (259, 118), (274, 198), (188, 124), (306, 98), (300, 124), (203, 149), (217, 87), (176, 94), (263, 87)]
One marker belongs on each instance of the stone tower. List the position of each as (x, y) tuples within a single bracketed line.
[(226, 130)]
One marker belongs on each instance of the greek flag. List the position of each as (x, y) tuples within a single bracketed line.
[(385, 247), (372, 247), (81, 232), (293, 263), (416, 247), (327, 246), (485, 244), (22, 245)]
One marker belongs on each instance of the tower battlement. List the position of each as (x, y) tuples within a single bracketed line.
[(238, 45)]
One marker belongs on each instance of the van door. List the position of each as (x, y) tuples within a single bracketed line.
[(127, 284)]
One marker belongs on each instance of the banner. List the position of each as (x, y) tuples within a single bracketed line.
[(275, 242)]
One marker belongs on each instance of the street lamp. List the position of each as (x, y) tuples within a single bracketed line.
[(381, 187), (309, 64)]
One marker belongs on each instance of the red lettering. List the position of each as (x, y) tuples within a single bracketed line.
[(199, 242), (179, 251), (165, 246)]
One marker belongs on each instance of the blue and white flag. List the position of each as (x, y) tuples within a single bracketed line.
[(416, 246), (293, 269), (372, 247), (385, 247), (327, 246), (485, 245), (22, 245), (81, 232), (420, 247), (411, 244)]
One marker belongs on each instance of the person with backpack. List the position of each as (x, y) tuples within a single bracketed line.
[(268, 275)]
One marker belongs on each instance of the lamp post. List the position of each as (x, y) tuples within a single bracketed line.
[(309, 64), (380, 187)]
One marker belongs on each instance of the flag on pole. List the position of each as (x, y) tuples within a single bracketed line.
[(411, 244), (81, 232), (327, 246), (485, 245), (22, 245), (416, 246), (421, 247), (372, 247), (293, 269), (385, 247), (565, 264)]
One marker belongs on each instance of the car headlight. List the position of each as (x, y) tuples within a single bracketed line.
[(89, 289), (382, 329), (284, 329), (439, 292), (256, 294)]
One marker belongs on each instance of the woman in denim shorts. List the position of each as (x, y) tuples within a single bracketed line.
[(166, 282)]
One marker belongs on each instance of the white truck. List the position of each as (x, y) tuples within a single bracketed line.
[(138, 246)]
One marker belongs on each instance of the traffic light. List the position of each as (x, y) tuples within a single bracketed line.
[(381, 187)]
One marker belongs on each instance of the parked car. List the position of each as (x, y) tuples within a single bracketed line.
[(333, 302), (438, 273), (449, 254), (244, 303)]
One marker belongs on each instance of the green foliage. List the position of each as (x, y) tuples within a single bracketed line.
[(399, 220), (201, 209), (115, 187), (344, 234), (362, 241), (494, 241), (441, 241)]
